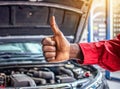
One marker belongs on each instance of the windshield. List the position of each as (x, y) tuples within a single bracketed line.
[(21, 52)]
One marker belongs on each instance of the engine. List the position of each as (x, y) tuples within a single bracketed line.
[(37, 76)]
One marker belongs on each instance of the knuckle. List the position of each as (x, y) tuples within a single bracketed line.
[(49, 54), (44, 48), (49, 48), (46, 41), (50, 59), (46, 54)]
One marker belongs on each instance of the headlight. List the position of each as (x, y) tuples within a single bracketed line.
[(96, 83)]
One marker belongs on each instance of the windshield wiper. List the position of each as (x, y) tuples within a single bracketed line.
[(18, 54), (14, 57), (22, 59)]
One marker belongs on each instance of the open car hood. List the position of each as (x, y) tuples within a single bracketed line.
[(23, 24), (31, 17)]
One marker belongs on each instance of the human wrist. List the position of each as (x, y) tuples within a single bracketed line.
[(75, 51)]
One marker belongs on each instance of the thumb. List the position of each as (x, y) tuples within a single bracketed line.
[(54, 26)]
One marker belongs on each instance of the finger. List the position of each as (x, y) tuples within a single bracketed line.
[(49, 48), (49, 54), (53, 60), (50, 59), (48, 41), (54, 26)]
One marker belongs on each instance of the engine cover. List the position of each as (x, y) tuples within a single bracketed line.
[(21, 80)]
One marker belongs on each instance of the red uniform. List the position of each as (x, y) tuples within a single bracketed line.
[(104, 53)]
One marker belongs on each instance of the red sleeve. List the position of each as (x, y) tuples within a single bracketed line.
[(104, 53)]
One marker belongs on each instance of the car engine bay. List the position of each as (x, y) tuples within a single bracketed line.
[(29, 76)]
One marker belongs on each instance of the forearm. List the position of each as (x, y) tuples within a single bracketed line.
[(75, 51)]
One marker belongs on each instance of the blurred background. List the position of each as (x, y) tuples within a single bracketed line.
[(104, 24), (104, 20)]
